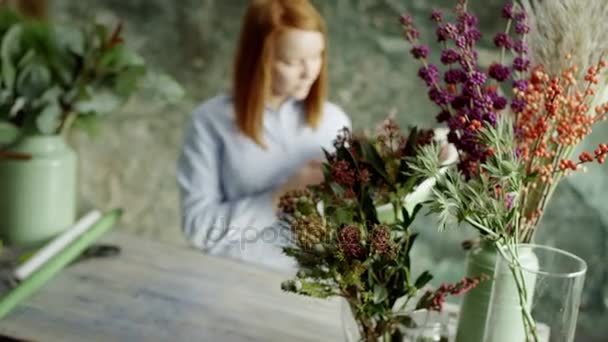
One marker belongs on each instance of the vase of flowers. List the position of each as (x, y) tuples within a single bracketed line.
[(344, 249), (54, 77), (513, 153)]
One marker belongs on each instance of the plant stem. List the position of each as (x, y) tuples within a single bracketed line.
[(522, 291), (481, 227), (64, 128)]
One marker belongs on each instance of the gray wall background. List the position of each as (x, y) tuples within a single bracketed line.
[(130, 163)]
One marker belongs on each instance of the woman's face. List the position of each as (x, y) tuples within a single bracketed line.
[(298, 58)]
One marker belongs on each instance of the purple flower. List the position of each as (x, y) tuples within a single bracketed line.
[(412, 35), (499, 72), (440, 97), (469, 89), (436, 15), (460, 101), (429, 74), (518, 105), (349, 242), (507, 11), (443, 116), (381, 241), (518, 149), (406, 20), (520, 47), (468, 19), (442, 34), (476, 113), (521, 64), (455, 124), (478, 78), (521, 85), (474, 34), (481, 105), (503, 40), (468, 60), (520, 26), (509, 200), (454, 76), (499, 103), (491, 119), (420, 51), (461, 42), (449, 56)]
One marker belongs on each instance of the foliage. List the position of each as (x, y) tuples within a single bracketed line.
[(53, 74)]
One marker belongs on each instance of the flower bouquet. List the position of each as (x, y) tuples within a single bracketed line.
[(345, 249), (515, 125)]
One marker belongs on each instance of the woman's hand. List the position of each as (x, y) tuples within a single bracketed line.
[(309, 174)]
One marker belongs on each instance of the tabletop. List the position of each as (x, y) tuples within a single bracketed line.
[(159, 292)]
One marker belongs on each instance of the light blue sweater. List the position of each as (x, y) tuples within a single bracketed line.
[(226, 180)]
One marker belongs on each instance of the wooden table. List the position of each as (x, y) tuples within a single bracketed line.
[(158, 292)]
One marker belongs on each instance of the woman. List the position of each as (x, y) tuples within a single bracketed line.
[(244, 150)]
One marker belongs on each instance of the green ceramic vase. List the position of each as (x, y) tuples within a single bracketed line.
[(491, 312), (37, 195)]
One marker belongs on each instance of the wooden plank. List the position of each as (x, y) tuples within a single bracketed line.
[(158, 292)]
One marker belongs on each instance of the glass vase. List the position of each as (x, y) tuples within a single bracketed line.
[(553, 290)]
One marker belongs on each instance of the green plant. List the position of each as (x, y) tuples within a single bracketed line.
[(347, 249), (53, 75)]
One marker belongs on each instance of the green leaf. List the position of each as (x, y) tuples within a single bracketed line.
[(368, 207), (101, 33), (408, 249), (326, 171), (49, 119), (344, 154), (128, 81), (164, 87), (344, 215), (410, 146), (327, 154), (400, 303), (89, 123), (336, 189), (409, 219), (10, 46), (17, 106), (380, 294), (423, 279), (118, 57), (51, 95), (100, 103), (33, 80), (70, 39), (29, 56), (371, 156)]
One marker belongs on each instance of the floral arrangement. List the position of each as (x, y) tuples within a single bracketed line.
[(545, 118), (346, 247), (515, 125)]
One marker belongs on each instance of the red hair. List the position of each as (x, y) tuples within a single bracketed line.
[(262, 23)]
